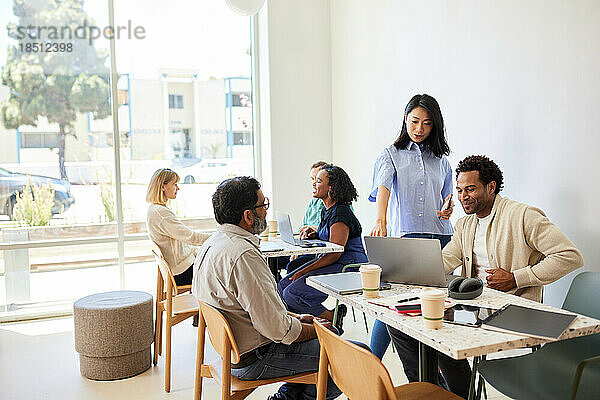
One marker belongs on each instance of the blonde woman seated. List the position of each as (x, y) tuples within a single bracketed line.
[(171, 235)]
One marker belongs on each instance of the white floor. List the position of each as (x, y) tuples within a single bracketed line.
[(38, 361)]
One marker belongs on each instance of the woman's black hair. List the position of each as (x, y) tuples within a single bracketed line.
[(488, 170), (342, 190), (436, 141), (234, 196)]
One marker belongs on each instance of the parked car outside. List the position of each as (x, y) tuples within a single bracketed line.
[(13, 183), (215, 170)]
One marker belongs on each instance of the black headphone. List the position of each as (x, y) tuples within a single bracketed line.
[(462, 288)]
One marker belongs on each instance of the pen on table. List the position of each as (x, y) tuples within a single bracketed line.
[(409, 299)]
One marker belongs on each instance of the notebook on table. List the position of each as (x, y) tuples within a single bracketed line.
[(529, 322), (268, 247), (343, 282)]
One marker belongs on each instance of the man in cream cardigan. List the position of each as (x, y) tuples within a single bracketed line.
[(511, 246)]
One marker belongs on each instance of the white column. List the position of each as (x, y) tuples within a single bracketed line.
[(168, 151), (197, 137)]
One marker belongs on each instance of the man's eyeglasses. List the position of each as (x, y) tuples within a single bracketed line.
[(266, 204)]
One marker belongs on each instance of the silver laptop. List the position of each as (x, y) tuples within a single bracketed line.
[(287, 234), (407, 260)]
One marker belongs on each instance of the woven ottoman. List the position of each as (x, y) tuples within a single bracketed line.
[(113, 334)]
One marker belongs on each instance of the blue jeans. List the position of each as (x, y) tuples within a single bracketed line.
[(279, 360), (380, 338)]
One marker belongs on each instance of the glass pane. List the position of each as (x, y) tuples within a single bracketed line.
[(190, 100), (56, 116)]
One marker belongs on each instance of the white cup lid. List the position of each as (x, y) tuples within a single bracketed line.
[(432, 293), (370, 267)]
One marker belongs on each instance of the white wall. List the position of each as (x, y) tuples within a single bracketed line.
[(295, 81), (517, 81)]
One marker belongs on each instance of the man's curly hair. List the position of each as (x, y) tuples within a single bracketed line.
[(342, 189), (488, 170)]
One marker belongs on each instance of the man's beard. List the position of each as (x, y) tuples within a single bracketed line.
[(259, 224)]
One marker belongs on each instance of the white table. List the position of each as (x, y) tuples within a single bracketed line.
[(458, 341), (292, 250)]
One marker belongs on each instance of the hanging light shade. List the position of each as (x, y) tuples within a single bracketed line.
[(245, 7)]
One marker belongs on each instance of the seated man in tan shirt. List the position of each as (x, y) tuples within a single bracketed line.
[(231, 274), (510, 246)]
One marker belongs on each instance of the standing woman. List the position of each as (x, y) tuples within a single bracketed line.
[(411, 180), (173, 238), (338, 225)]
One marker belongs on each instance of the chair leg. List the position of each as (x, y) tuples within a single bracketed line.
[(168, 356), (160, 335), (353, 315), (157, 334), (365, 319), (158, 322), (199, 358), (322, 375), (226, 374)]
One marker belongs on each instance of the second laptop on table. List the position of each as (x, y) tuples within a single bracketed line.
[(287, 234)]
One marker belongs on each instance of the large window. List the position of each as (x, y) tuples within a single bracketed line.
[(183, 101)]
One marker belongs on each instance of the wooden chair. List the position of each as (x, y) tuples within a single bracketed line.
[(175, 303), (360, 375), (224, 343)]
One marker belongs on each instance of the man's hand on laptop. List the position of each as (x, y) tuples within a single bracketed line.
[(500, 279)]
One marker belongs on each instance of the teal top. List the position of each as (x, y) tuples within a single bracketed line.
[(312, 216)]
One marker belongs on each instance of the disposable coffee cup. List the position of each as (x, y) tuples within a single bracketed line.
[(272, 228), (432, 307), (370, 275)]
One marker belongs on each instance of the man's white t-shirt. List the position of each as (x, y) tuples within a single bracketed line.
[(480, 255)]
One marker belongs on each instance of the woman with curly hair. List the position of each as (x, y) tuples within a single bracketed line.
[(338, 225)]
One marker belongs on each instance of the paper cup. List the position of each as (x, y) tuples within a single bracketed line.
[(370, 275), (432, 307), (272, 229)]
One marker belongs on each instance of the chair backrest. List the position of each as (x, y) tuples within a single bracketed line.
[(219, 332), (163, 266), (584, 295), (357, 372)]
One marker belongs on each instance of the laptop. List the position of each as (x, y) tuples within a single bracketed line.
[(408, 260), (287, 234), (344, 282)]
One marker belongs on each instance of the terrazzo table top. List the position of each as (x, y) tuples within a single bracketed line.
[(459, 341), (291, 250)]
